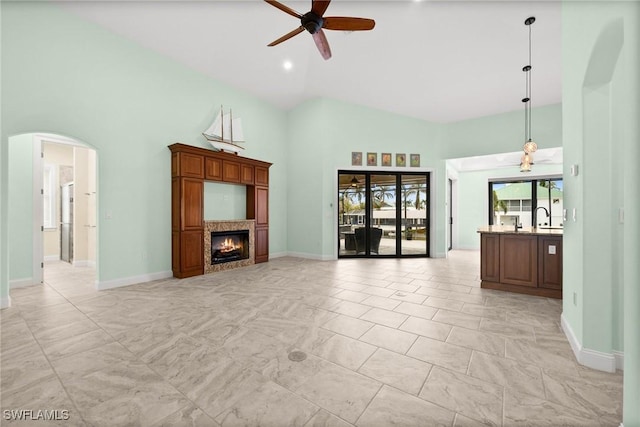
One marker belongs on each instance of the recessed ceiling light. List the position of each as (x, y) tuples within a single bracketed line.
[(287, 65)]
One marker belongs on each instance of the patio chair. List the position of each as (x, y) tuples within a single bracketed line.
[(374, 236)]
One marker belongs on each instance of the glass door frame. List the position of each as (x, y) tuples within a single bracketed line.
[(368, 213)]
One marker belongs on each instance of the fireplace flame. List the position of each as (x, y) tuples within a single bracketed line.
[(229, 245)]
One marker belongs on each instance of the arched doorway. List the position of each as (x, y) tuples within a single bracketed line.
[(52, 210)]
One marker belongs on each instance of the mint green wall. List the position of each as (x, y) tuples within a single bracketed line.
[(224, 201), (129, 104), (323, 133), (600, 111), (502, 133), (473, 203), (19, 204), (305, 170)]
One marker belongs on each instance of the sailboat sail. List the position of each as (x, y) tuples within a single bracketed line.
[(225, 132)]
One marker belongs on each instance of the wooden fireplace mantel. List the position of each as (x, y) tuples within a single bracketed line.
[(190, 168)]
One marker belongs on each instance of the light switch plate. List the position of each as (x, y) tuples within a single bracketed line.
[(552, 250)]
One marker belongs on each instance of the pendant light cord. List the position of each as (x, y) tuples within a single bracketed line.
[(529, 83)]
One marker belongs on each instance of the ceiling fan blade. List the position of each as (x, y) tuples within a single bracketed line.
[(319, 6), (344, 23), (322, 44), (284, 8), (287, 36)]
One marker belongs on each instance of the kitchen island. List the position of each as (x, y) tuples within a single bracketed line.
[(527, 261)]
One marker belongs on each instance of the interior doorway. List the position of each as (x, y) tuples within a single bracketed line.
[(69, 206)]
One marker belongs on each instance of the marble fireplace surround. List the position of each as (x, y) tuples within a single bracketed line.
[(232, 225)]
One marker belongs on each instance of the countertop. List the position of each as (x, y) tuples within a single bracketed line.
[(509, 229)]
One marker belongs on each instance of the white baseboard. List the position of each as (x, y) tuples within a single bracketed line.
[(619, 355), (590, 358), (278, 255), (126, 281), (467, 248), (21, 283), (51, 258), (5, 302), (311, 256)]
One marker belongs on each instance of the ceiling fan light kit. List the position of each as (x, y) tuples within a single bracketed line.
[(530, 146), (314, 22)]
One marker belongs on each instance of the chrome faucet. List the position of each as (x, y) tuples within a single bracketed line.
[(535, 215)]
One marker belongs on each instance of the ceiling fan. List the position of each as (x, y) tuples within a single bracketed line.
[(314, 22)]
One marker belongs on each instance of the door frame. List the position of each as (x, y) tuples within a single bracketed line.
[(431, 212), (39, 139)]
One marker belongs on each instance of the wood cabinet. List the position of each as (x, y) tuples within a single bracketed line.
[(519, 260), (246, 172), (550, 262), (213, 169), (190, 168), (490, 261), (230, 171), (522, 262), (258, 209)]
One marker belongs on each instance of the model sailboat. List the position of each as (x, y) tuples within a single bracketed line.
[(225, 132)]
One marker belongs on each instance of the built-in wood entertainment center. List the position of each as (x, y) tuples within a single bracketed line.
[(190, 168)]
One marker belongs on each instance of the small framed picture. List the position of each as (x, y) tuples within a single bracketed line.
[(386, 159), (372, 159), (414, 160), (401, 159), (356, 158)]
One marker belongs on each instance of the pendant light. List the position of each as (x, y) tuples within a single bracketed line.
[(354, 181), (529, 146)]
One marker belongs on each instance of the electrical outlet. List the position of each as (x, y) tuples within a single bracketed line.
[(552, 250)]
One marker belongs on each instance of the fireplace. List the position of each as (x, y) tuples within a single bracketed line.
[(227, 246)]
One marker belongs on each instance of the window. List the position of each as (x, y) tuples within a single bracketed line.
[(512, 201), (49, 196)]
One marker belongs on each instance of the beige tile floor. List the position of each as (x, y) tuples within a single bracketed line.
[(411, 342)]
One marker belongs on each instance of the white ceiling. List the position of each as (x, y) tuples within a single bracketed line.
[(440, 61)]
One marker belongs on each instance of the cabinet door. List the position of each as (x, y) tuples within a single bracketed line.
[(191, 253), (230, 171), (490, 257), (519, 260), (247, 174), (262, 176), (192, 203), (191, 165), (262, 245), (550, 262), (213, 169), (262, 206)]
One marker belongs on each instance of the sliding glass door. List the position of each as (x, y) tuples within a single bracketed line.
[(383, 214)]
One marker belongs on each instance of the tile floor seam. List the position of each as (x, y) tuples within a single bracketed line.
[(73, 402), (491, 301), (355, 423)]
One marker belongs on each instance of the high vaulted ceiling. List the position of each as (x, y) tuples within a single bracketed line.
[(441, 61)]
